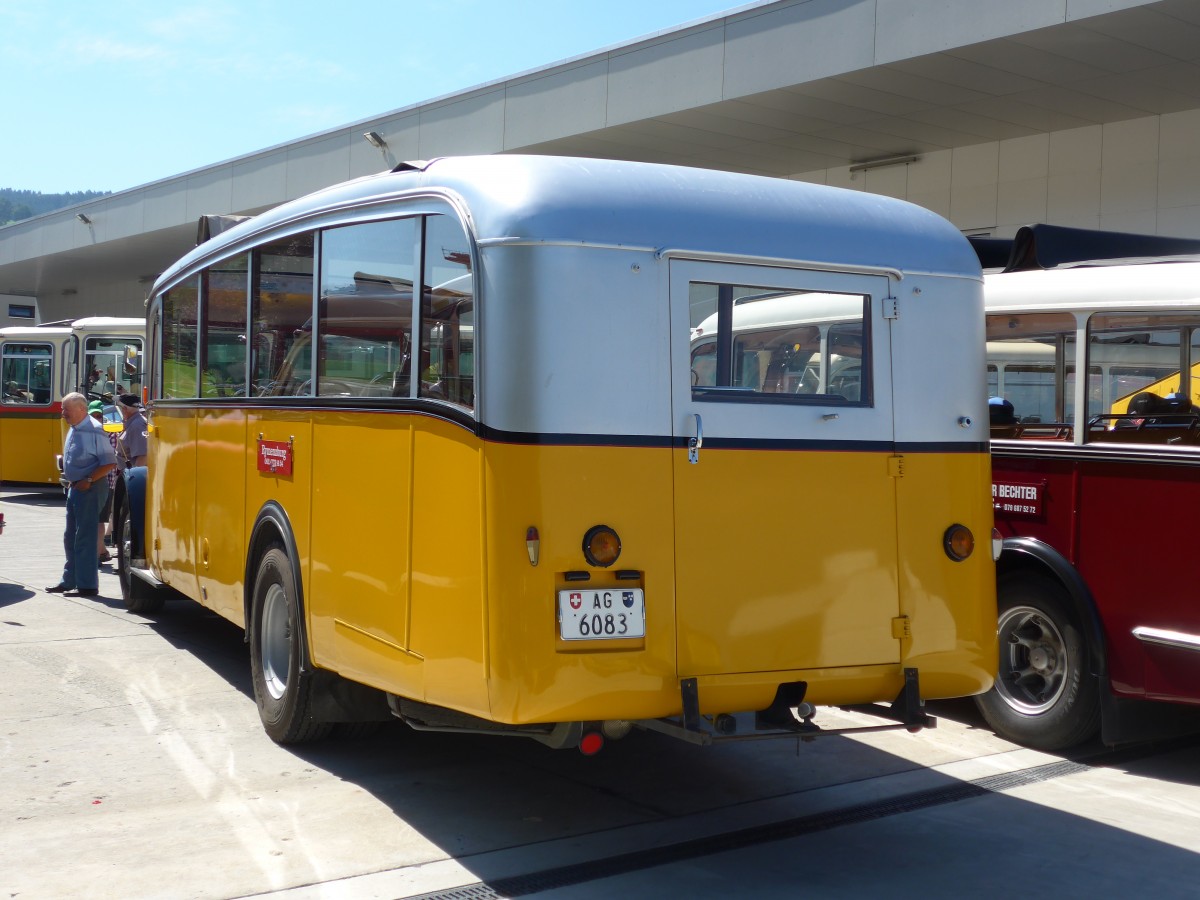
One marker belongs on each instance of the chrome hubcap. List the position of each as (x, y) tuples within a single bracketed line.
[(1033, 661), (276, 641)]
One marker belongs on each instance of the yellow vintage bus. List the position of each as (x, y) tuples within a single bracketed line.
[(434, 440), (98, 355)]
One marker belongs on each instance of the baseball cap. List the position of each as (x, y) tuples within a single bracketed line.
[(133, 401), (96, 406)]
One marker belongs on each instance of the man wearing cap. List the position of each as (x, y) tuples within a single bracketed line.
[(132, 445), (87, 460)]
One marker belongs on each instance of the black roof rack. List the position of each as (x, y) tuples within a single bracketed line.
[(210, 226), (1052, 246)]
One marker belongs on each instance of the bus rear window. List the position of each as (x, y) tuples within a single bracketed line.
[(785, 344)]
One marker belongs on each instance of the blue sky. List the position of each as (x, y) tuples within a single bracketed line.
[(110, 95)]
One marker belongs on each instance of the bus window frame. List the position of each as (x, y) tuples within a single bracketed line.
[(420, 208), (69, 379), (203, 323), (317, 337), (727, 336), (51, 356), (80, 354)]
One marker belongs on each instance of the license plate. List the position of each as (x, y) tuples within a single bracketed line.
[(601, 615)]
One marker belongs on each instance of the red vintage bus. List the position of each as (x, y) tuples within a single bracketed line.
[(1095, 484)]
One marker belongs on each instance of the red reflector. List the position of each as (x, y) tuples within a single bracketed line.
[(591, 743)]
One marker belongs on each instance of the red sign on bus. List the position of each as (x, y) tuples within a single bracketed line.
[(275, 457)]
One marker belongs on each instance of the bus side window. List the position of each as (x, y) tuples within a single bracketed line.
[(1032, 365), (365, 313), (447, 351), (180, 313), (223, 373), (281, 308), (1146, 392), (16, 373)]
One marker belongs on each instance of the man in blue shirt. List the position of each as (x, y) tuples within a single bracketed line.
[(88, 457)]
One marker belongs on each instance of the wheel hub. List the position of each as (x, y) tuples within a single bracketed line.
[(276, 641), (1043, 660), (1033, 670)]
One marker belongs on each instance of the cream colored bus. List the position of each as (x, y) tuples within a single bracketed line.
[(98, 355)]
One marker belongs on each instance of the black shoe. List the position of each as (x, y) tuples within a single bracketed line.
[(85, 592), (59, 588)]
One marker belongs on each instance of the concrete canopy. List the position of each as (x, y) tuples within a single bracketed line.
[(777, 88)]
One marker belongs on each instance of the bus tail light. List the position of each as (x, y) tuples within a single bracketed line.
[(958, 542), (601, 546), (533, 544), (591, 743)]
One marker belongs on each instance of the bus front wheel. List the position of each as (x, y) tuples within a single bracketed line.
[(1043, 696), (283, 682)]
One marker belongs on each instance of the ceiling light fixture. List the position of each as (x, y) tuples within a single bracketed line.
[(868, 164)]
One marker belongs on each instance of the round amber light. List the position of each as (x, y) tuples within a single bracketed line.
[(601, 546), (959, 542)]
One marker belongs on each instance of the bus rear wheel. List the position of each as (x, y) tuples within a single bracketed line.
[(1044, 696), (283, 681), (139, 597)]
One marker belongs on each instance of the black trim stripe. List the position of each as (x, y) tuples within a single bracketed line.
[(942, 447), (429, 408), (571, 439), (564, 439), (499, 436), (9, 413)]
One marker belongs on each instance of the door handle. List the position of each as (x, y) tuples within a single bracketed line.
[(694, 444)]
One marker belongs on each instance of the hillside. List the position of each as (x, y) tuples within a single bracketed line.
[(16, 204)]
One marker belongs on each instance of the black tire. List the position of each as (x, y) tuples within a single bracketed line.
[(283, 682), (139, 597), (1044, 696)]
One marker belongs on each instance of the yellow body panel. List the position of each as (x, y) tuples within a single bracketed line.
[(449, 628), (171, 515), (785, 560), (221, 474), (411, 538), (291, 493), (360, 594), (29, 441), (951, 606), (564, 491)]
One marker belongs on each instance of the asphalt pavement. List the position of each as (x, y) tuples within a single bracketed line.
[(133, 764)]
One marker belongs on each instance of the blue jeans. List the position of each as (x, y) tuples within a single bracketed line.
[(82, 570)]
